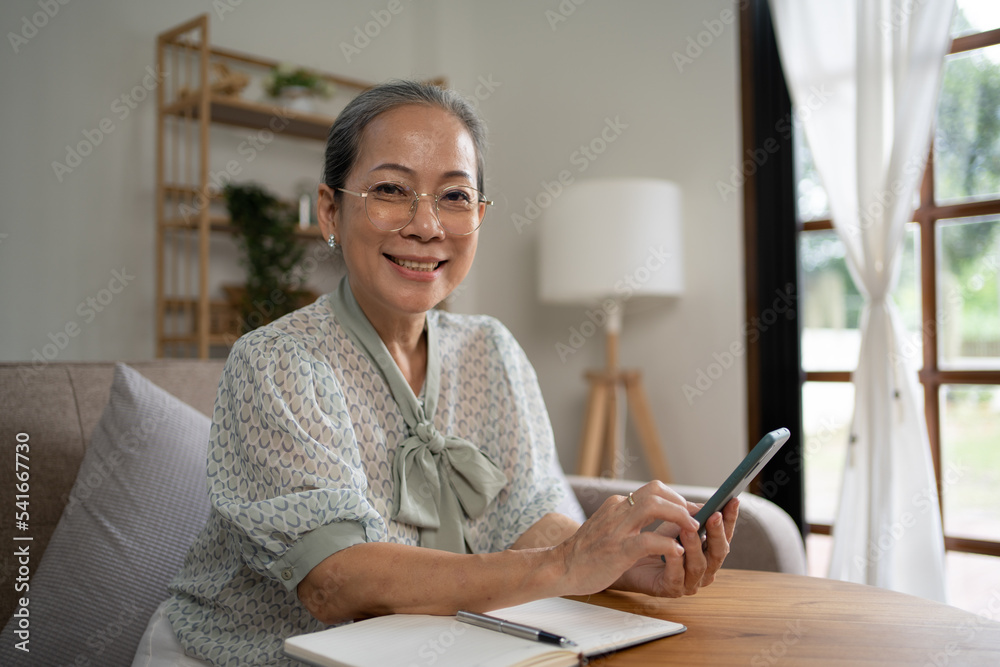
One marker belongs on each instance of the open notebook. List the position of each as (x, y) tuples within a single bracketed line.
[(445, 642)]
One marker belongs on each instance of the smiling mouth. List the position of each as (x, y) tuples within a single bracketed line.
[(415, 266)]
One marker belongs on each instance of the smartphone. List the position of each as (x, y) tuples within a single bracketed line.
[(744, 473)]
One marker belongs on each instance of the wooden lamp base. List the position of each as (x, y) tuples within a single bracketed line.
[(600, 446)]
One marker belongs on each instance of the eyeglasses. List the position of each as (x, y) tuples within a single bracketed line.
[(391, 206)]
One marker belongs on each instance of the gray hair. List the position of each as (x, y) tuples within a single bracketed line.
[(344, 140)]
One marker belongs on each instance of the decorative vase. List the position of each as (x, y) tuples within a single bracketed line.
[(297, 98)]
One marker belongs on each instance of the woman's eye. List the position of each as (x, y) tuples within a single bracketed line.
[(457, 196), (389, 190)]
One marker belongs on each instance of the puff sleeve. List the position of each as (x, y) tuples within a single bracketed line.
[(284, 471)]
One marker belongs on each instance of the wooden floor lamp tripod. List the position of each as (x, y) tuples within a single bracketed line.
[(600, 446), (607, 241)]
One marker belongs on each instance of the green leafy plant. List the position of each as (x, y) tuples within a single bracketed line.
[(271, 254), (286, 76)]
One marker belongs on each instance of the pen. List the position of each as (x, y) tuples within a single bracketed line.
[(515, 629)]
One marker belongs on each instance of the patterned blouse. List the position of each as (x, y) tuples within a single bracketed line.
[(300, 466)]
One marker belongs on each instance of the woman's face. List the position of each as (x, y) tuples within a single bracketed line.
[(427, 149)]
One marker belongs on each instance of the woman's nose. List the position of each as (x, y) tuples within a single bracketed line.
[(426, 222)]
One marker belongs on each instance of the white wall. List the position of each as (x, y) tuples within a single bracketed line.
[(552, 87), (66, 233)]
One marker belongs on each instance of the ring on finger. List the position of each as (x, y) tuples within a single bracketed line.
[(631, 500)]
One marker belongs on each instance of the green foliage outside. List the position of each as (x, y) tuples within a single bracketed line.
[(966, 166), (967, 137), (970, 431), (821, 252)]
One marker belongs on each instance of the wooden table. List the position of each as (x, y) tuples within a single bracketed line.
[(763, 618)]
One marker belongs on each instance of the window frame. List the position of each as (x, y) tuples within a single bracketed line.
[(927, 216)]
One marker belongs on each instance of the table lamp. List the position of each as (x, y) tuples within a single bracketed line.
[(605, 242)]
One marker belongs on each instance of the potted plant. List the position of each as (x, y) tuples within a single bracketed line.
[(294, 87), (271, 254)]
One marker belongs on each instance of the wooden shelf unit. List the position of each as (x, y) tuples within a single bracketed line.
[(188, 321), (230, 110)]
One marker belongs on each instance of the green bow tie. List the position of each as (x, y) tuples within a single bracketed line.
[(435, 477)]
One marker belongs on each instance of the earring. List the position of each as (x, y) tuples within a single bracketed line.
[(332, 242)]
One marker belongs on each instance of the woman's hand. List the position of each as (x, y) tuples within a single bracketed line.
[(688, 565), (610, 549)]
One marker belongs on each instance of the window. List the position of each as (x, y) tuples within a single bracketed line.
[(949, 296)]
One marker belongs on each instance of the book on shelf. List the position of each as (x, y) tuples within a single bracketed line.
[(444, 641)]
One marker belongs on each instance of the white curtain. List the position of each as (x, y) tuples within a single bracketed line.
[(864, 78)]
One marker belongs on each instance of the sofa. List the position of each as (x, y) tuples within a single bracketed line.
[(103, 485)]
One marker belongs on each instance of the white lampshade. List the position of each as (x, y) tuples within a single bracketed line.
[(612, 238)]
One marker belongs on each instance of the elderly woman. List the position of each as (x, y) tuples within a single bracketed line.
[(371, 455)]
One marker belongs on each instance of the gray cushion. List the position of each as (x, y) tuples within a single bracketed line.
[(569, 506), (138, 502)]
